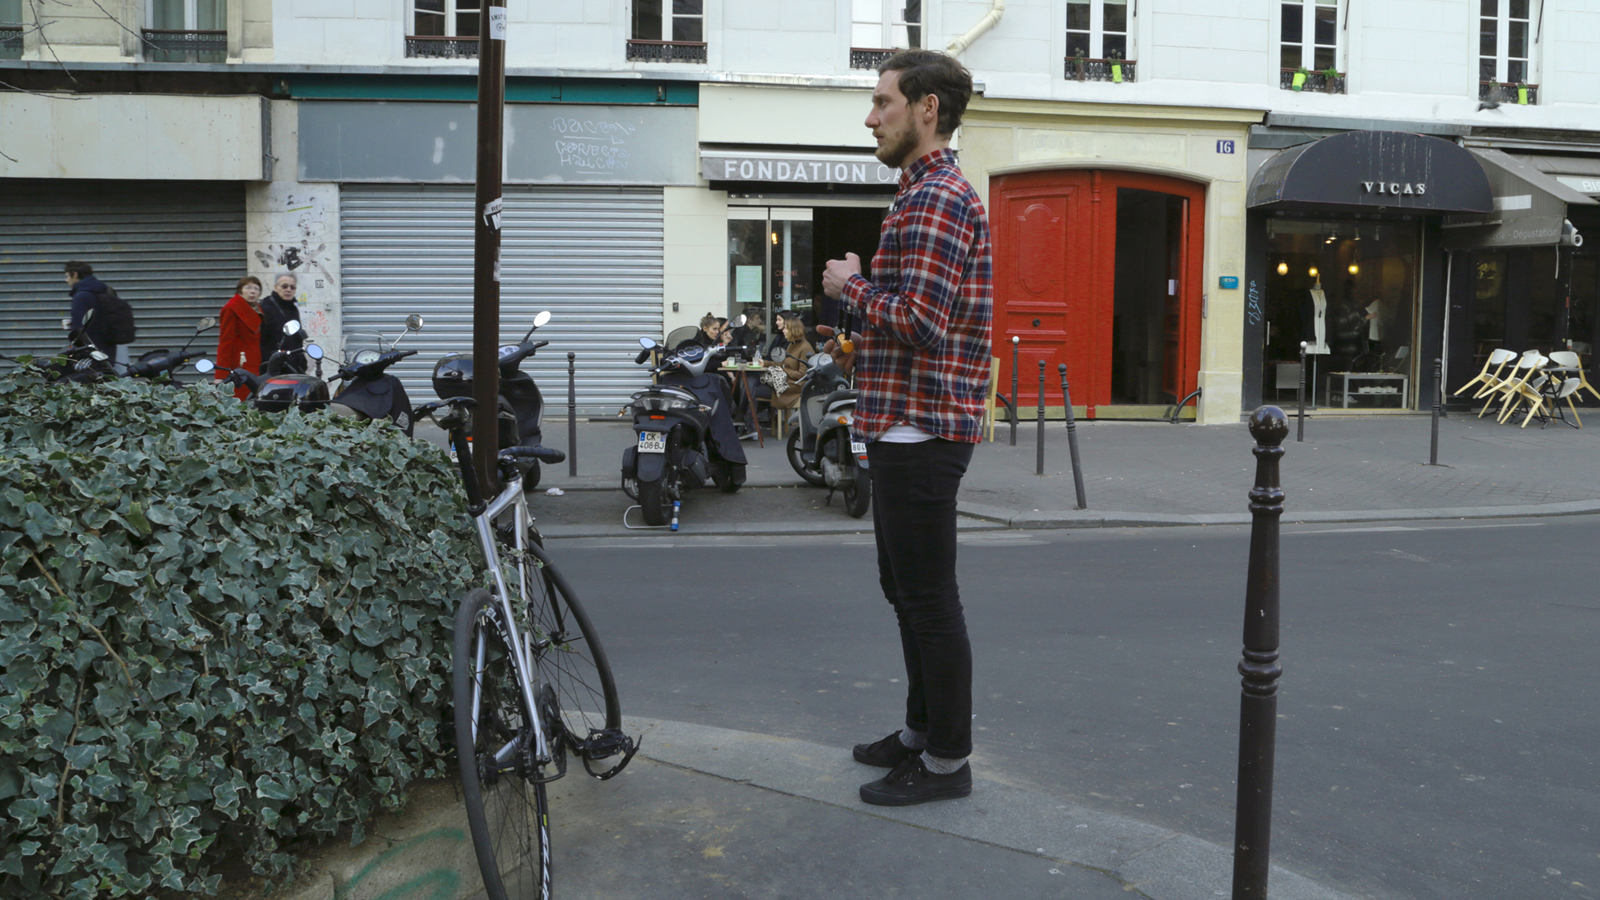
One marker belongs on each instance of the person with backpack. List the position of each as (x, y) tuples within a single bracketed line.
[(111, 327)]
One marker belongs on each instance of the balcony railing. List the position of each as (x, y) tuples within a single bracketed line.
[(667, 51), (1315, 82), (10, 41), (1117, 71), (1499, 92), (182, 42), (868, 57), (431, 47)]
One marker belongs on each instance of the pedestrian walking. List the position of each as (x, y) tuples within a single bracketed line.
[(922, 369), (277, 309), (111, 325), (239, 341)]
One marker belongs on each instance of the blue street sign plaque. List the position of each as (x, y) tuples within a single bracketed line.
[(1228, 282), (1225, 147)]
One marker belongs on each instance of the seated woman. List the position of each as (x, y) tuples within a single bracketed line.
[(793, 365), (710, 334)]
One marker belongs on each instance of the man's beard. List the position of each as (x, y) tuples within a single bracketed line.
[(896, 152)]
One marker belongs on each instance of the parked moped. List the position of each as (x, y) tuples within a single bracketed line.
[(368, 390), (821, 449), (521, 403)]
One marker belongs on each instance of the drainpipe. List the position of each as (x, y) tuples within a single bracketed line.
[(984, 24)]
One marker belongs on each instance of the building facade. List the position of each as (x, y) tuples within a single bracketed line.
[(1178, 198)]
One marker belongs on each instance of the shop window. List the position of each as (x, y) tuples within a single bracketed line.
[(1488, 306), (186, 31), (1099, 38), (1584, 329), (880, 27), (668, 31), (1507, 33), (1310, 46), (444, 29), (770, 261), (10, 29)]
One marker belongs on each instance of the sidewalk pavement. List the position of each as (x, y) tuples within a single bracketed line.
[(1348, 469)]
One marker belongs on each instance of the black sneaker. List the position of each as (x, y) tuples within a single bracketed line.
[(885, 754), (911, 783)]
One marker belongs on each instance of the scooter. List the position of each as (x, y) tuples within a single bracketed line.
[(820, 447), (81, 361), (368, 391), (275, 390), (685, 431), (163, 363), (521, 404)]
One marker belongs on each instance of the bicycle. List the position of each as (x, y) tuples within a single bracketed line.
[(530, 679)]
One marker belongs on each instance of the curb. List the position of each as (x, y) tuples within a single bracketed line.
[(1049, 519)]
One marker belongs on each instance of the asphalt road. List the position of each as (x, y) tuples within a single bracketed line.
[(1437, 726)]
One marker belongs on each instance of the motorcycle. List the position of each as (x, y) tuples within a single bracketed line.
[(685, 431), (163, 363), (368, 391), (275, 390), (821, 449), (521, 404), (80, 361)]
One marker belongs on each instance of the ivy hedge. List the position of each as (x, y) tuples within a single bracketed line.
[(221, 632)]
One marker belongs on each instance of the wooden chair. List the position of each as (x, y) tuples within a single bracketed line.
[(1568, 388), (1567, 359), (1506, 389), (1498, 359), (994, 388), (1527, 387)]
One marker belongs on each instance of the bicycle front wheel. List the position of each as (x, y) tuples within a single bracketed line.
[(574, 676), (507, 811)]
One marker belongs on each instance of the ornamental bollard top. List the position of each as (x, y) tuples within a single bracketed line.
[(1258, 705)]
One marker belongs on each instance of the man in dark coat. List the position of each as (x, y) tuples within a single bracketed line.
[(87, 292), (277, 308)]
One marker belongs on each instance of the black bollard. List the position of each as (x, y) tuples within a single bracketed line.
[(1016, 343), (1258, 705), (1438, 398), (572, 413), (1072, 438), (1300, 431), (1039, 463)]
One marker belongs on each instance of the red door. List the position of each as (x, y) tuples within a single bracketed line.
[(1055, 288)]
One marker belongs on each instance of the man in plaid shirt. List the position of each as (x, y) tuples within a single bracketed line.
[(922, 371)]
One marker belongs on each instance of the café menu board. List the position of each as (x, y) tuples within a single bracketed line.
[(405, 141)]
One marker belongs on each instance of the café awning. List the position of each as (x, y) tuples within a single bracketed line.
[(1530, 207), (1392, 171)]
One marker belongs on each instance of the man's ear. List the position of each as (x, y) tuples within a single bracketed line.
[(929, 107)]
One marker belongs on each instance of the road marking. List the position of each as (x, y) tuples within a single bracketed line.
[(1419, 528)]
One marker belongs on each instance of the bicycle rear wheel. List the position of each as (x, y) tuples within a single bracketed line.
[(576, 686), (507, 811)]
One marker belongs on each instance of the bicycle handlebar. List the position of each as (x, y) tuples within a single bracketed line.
[(548, 455)]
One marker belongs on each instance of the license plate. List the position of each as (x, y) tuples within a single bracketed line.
[(858, 448), (652, 442)]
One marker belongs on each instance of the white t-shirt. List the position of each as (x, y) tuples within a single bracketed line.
[(903, 433)]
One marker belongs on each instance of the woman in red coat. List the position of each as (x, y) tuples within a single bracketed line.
[(239, 346)]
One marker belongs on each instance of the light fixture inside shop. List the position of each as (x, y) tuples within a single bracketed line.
[(1355, 269), (1314, 273), (774, 237), (1283, 268)]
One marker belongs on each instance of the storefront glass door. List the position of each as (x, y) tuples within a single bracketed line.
[(1349, 290), (769, 260)]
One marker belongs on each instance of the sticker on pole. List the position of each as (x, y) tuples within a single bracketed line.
[(497, 264), (497, 23), (491, 212)]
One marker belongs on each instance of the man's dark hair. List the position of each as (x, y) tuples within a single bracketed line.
[(80, 269), (924, 72)]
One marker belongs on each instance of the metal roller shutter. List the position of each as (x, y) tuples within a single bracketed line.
[(592, 256), (173, 250)]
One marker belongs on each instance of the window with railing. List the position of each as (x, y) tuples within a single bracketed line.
[(444, 29), (10, 29), (1098, 41), (668, 31), (879, 28), (186, 31), (1310, 47), (1507, 35)]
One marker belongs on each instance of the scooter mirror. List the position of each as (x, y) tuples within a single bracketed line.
[(647, 343), (737, 322), (204, 366), (97, 356), (413, 322), (540, 320), (291, 327), (205, 324), (313, 351)]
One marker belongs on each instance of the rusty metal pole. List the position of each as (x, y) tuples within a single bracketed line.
[(1039, 450), (1016, 342), (1300, 433), (572, 413), (1438, 398), (486, 245), (1258, 705), (1072, 438)]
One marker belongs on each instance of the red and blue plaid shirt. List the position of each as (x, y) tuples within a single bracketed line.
[(926, 340)]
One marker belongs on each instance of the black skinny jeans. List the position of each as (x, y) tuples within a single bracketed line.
[(914, 518)]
